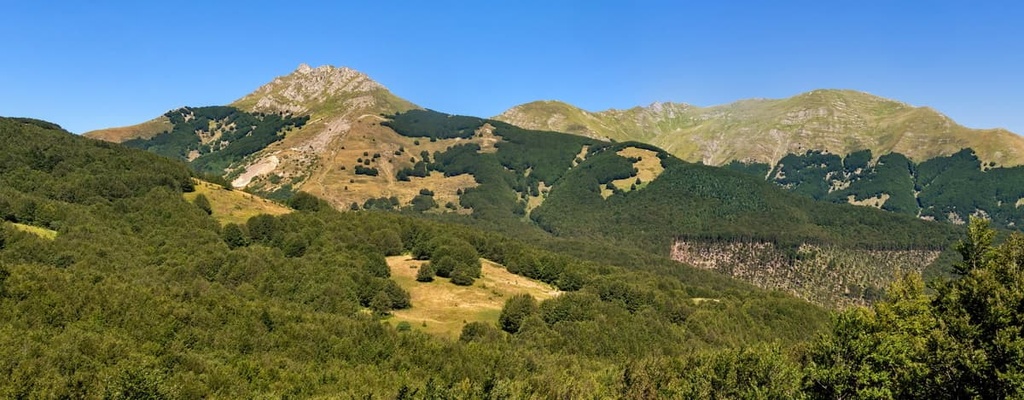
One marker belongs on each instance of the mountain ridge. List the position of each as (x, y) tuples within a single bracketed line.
[(765, 130)]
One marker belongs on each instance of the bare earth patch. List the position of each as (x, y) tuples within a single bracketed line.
[(263, 167), (445, 307)]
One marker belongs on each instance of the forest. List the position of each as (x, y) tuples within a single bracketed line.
[(213, 138), (142, 294), (949, 189)]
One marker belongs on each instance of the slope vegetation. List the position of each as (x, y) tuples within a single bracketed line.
[(143, 294), (950, 188)]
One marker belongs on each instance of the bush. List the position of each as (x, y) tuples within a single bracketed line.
[(425, 273)]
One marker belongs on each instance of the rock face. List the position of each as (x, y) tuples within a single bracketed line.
[(309, 89), (821, 274), (760, 130)]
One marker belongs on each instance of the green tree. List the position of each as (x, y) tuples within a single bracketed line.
[(381, 303), (203, 203), (388, 241), (516, 309), (425, 273), (234, 236), (461, 276), (302, 201)]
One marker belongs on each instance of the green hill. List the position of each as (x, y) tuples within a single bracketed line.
[(764, 131), (142, 293)]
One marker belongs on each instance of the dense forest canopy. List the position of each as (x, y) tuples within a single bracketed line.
[(950, 188)]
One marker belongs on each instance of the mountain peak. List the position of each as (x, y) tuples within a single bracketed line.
[(310, 89)]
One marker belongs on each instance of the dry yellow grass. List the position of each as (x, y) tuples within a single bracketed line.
[(648, 168), (445, 307), (144, 130), (342, 187), (234, 206), (44, 233)]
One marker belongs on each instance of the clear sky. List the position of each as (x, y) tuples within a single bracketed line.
[(96, 64)]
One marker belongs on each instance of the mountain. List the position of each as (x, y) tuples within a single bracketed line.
[(539, 183), (765, 131), (287, 128)]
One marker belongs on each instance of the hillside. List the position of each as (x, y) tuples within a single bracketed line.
[(761, 130), (949, 188), (143, 294)]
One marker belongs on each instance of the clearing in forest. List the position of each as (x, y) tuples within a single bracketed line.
[(648, 168), (44, 233), (442, 308), (234, 206)]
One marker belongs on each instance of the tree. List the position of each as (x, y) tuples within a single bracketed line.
[(203, 203), (425, 273), (388, 241), (376, 265), (381, 303), (516, 309), (234, 236), (302, 201), (461, 276), (477, 331)]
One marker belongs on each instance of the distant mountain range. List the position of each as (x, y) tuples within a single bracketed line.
[(765, 131)]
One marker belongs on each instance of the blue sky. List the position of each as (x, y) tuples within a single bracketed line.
[(89, 65)]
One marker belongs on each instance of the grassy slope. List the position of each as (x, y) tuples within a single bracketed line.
[(144, 130), (44, 233), (233, 206), (442, 308), (840, 121)]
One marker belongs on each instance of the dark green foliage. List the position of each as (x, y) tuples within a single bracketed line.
[(388, 242), (478, 332), (382, 203), (699, 202), (756, 169), (422, 203), (302, 201), (250, 133), (432, 124), (950, 188), (381, 303), (516, 309), (264, 229), (375, 265), (203, 203), (369, 171), (462, 275), (425, 273), (805, 174), (234, 236)]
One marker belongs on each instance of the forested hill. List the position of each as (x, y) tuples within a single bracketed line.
[(113, 285), (948, 189)]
